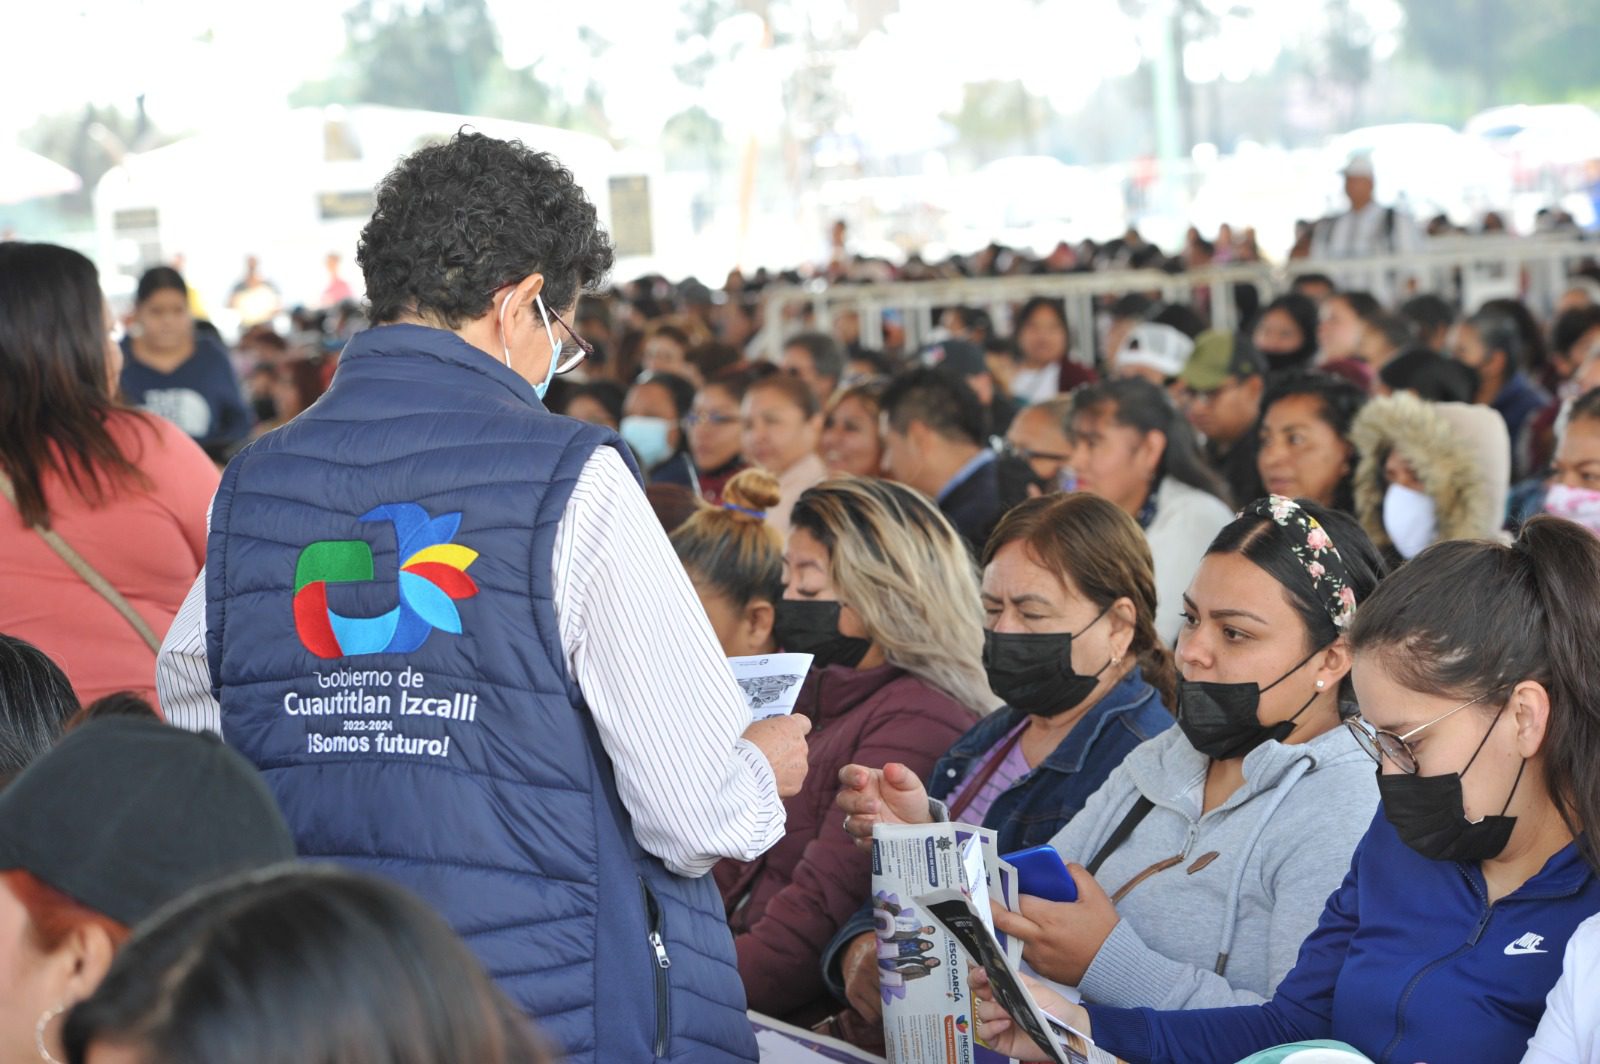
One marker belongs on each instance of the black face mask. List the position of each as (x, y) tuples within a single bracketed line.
[(1032, 671), (1428, 814), (1221, 720), (1284, 361), (803, 626)]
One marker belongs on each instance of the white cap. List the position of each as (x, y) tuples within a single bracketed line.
[(1359, 165), (1155, 345)]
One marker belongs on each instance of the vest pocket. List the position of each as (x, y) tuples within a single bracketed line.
[(656, 921)]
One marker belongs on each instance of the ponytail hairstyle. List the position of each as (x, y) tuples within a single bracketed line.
[(1474, 618), (731, 548), (1274, 549), (1095, 545)]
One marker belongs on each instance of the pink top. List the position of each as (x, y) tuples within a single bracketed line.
[(149, 543)]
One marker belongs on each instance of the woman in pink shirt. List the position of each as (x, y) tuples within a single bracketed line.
[(127, 491)]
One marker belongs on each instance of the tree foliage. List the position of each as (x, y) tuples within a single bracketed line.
[(1535, 50), (442, 55)]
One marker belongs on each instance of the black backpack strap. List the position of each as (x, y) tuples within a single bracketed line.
[(1140, 810)]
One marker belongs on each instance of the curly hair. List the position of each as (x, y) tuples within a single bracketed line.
[(455, 221)]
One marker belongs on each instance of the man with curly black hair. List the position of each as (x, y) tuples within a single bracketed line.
[(448, 627)]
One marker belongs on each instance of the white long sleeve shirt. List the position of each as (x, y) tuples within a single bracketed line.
[(1372, 231), (1569, 1032), (641, 649)]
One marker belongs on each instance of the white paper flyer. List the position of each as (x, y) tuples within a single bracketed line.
[(770, 682)]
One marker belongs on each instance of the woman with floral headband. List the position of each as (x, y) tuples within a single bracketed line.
[(1211, 849), (1476, 670)]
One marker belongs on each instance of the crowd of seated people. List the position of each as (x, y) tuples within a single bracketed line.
[(1281, 636)]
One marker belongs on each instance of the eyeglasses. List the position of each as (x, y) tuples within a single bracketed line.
[(585, 348), (1028, 456), (713, 420), (1381, 744)]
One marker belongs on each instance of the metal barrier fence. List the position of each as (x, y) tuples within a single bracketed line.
[(1468, 270)]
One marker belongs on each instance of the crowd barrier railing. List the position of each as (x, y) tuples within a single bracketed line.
[(1468, 269)]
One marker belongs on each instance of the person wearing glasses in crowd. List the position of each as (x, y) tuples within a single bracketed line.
[(1041, 436), (715, 433), (448, 626), (1475, 669)]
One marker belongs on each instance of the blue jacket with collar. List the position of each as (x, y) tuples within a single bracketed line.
[(383, 640), (1410, 962), (1039, 804)]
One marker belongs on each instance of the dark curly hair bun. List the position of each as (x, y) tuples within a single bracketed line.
[(456, 221)]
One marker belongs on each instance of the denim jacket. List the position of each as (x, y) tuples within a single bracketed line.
[(1038, 805)]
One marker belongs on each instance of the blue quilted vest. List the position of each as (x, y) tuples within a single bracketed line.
[(384, 646)]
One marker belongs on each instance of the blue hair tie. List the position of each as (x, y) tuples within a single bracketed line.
[(759, 515)]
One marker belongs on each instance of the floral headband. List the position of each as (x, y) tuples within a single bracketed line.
[(1316, 552)]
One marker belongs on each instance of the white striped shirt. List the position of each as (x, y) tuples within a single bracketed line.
[(641, 649)]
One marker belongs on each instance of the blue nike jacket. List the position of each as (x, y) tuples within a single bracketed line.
[(1410, 962)]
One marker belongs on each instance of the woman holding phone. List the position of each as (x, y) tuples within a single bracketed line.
[(1476, 672), (1200, 884)]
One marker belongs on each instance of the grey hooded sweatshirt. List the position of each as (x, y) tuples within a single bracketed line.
[(1254, 872)]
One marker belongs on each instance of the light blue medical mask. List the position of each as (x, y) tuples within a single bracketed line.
[(648, 438), (555, 345)]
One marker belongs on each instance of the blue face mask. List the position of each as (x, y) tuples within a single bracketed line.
[(648, 438), (555, 345)]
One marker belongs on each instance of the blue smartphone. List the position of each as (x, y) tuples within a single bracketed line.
[(1042, 873)]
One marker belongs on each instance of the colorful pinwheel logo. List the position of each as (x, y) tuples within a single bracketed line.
[(432, 578)]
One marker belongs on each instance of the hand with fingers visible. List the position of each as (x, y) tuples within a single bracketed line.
[(1001, 1033), (889, 795), (860, 969), (782, 740), (1060, 938)]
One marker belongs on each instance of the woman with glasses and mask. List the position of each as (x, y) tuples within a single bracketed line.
[(451, 625), (714, 456), (1476, 672), (1195, 881), (1070, 645), (879, 588)]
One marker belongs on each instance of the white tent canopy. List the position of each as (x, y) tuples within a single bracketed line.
[(25, 175)]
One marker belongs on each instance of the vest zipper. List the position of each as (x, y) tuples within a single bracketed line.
[(656, 919)]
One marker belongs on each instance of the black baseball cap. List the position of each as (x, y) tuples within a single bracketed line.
[(956, 358), (125, 815)]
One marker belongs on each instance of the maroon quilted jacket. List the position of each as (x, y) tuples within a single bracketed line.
[(786, 905)]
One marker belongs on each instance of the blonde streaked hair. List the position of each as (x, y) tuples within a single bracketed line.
[(896, 561)]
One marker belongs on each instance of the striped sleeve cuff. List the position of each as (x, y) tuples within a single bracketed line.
[(767, 827)]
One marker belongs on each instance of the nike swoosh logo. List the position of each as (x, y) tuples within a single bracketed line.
[(1517, 949)]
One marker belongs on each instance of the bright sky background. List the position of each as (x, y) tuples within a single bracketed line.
[(205, 61)]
